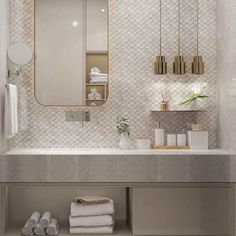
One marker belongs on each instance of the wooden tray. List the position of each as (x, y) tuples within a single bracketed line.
[(171, 147)]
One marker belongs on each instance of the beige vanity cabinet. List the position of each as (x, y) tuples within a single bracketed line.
[(182, 210)]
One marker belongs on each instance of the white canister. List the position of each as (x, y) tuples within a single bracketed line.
[(181, 140), (198, 140), (143, 143), (171, 139), (159, 137)]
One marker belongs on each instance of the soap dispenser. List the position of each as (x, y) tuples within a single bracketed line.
[(159, 136)]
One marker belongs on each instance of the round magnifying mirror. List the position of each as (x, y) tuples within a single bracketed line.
[(20, 53)]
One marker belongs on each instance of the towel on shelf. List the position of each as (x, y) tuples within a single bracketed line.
[(45, 220), (78, 209), (86, 221), (92, 230), (97, 77), (27, 230), (53, 227), (34, 219), (94, 81), (91, 200), (11, 118), (39, 230)]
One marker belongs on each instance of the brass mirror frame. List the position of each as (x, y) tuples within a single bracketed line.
[(108, 59)]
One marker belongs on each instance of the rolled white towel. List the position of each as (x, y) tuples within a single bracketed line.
[(92, 230), (45, 220), (34, 219), (53, 227), (27, 230), (39, 230), (78, 209), (102, 220)]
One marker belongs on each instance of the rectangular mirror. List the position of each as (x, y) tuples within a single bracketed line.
[(71, 48)]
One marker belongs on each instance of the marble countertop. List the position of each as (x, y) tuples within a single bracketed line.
[(116, 166), (114, 152)]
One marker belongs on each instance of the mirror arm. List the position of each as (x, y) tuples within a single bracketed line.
[(14, 72)]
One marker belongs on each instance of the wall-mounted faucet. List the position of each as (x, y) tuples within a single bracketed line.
[(76, 116)]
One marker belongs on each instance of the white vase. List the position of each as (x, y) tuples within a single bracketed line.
[(124, 141), (194, 104)]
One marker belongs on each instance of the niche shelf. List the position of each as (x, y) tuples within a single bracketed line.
[(97, 59), (183, 111), (119, 231)]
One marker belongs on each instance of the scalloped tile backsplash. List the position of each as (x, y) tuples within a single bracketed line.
[(134, 89)]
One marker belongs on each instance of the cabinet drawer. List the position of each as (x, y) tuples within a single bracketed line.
[(181, 211)]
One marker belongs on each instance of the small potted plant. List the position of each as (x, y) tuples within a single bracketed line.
[(197, 93), (123, 128)]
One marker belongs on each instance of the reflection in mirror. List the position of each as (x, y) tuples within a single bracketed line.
[(20, 54), (71, 46)]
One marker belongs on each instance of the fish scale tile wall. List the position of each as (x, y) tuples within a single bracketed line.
[(134, 89)]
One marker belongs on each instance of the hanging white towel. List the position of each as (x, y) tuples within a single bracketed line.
[(102, 220), (11, 118), (78, 209)]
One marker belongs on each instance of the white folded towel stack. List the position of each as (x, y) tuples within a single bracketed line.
[(92, 215), (46, 225), (97, 77)]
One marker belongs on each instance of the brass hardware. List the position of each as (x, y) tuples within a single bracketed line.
[(197, 64), (160, 65), (75, 116), (87, 116), (179, 65)]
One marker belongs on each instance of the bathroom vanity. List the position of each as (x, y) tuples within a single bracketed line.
[(83, 61), (155, 192)]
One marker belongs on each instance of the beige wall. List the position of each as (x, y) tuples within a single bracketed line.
[(226, 72)]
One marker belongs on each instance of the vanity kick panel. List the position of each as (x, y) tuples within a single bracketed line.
[(181, 211)]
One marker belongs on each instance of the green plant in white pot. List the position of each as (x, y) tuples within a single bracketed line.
[(123, 128), (197, 93)]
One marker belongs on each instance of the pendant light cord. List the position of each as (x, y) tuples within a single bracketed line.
[(179, 29), (160, 27), (197, 27)]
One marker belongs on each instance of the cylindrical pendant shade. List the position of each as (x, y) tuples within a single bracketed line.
[(179, 65), (160, 65), (197, 66)]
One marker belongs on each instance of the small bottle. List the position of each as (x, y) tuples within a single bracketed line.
[(159, 136), (164, 106)]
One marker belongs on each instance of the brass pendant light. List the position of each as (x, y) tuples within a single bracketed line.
[(160, 66), (197, 64), (179, 65)]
